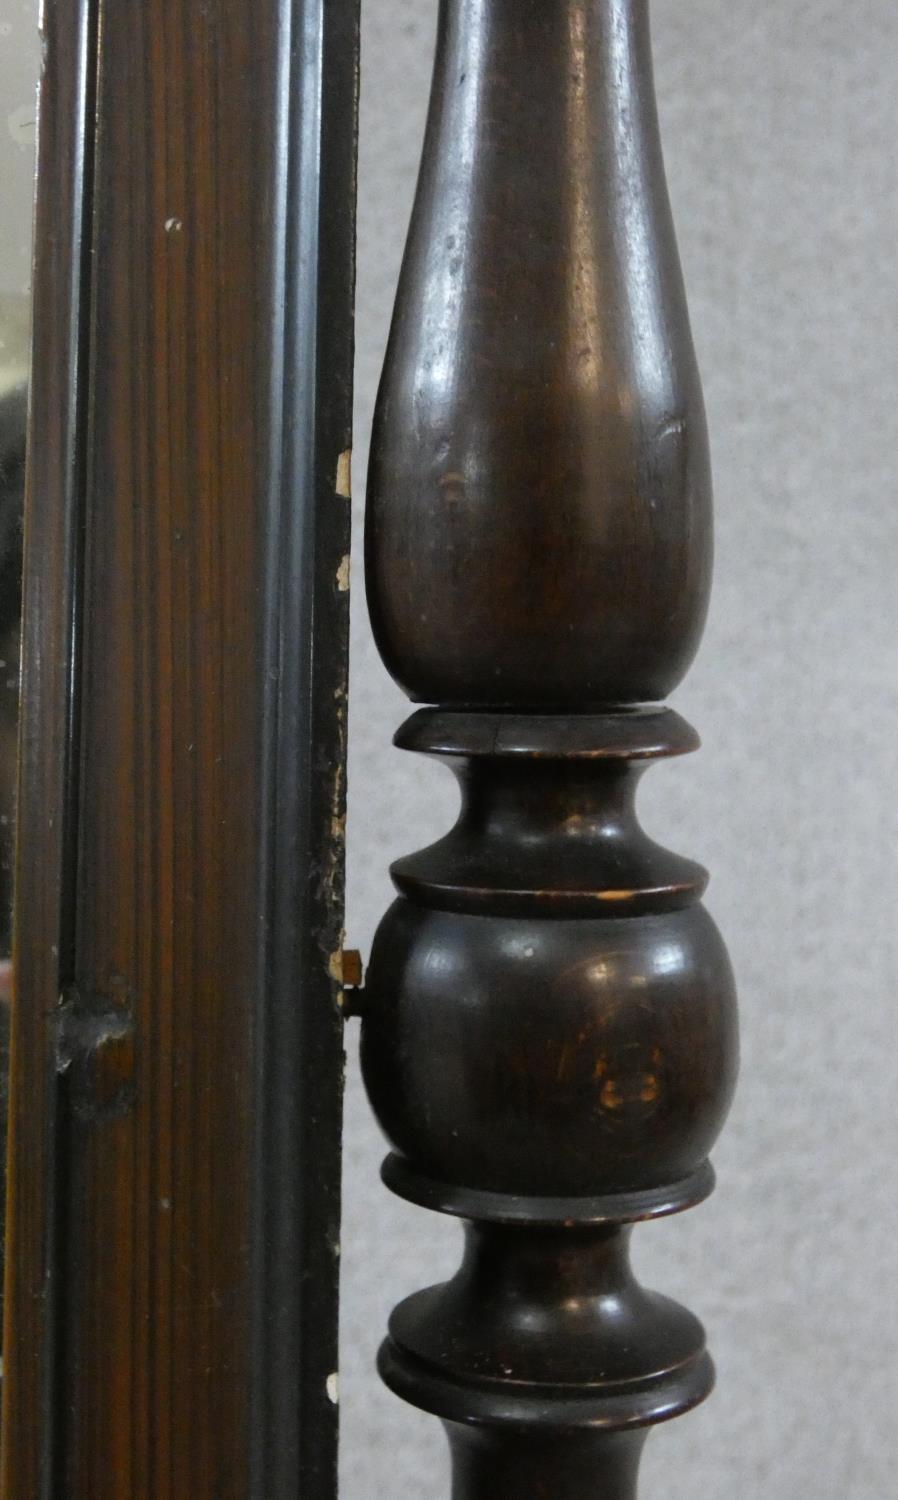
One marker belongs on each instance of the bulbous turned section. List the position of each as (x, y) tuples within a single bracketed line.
[(539, 522), (550, 1012), (550, 1057)]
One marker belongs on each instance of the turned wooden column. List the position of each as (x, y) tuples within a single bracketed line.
[(549, 1035)]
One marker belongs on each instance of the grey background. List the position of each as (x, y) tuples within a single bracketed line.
[(780, 129)]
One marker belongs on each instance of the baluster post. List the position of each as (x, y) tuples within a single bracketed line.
[(549, 1034)]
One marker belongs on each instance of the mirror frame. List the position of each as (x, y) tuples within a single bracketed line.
[(173, 1232)]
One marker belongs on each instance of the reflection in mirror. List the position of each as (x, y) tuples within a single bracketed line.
[(13, 403), (19, 65)]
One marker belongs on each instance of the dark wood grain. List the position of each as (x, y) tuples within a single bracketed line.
[(178, 1038), (549, 1026)]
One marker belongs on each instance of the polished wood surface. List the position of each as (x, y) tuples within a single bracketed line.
[(539, 513), (549, 1029), (177, 1051)]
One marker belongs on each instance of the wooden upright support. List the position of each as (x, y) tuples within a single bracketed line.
[(171, 1318), (549, 1035)]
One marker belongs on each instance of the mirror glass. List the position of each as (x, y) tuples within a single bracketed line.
[(19, 69)]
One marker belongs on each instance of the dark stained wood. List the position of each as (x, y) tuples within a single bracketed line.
[(177, 1051), (539, 518), (549, 1026)]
